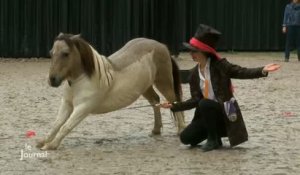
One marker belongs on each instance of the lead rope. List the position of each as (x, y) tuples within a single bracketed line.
[(143, 106)]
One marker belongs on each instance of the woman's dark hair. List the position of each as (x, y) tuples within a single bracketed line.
[(209, 55)]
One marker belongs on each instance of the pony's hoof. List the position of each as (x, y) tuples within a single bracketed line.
[(48, 147), (40, 143), (156, 132)]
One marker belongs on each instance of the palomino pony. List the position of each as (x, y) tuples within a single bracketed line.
[(97, 84)]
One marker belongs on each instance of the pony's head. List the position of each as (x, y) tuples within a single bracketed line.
[(71, 56)]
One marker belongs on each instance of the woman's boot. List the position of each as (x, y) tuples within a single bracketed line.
[(212, 142)]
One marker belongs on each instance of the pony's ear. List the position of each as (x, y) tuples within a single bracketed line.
[(60, 34), (76, 36)]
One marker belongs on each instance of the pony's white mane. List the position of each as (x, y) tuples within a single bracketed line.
[(103, 69)]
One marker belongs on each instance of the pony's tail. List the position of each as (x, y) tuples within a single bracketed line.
[(176, 80)]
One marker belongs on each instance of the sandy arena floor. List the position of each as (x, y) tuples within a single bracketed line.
[(119, 142)]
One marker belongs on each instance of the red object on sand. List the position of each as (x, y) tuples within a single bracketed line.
[(30, 133), (287, 114)]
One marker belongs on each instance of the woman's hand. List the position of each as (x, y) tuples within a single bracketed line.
[(166, 105), (271, 67)]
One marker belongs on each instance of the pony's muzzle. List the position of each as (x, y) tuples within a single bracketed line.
[(54, 81)]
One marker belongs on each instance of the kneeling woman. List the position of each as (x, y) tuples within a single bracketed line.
[(217, 113)]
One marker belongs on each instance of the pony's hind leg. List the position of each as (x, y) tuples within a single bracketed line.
[(153, 99), (168, 92)]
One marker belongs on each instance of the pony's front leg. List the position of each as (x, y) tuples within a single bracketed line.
[(79, 113), (64, 113)]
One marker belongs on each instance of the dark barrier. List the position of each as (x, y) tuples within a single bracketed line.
[(28, 27)]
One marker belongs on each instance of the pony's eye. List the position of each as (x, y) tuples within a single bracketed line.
[(65, 54)]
